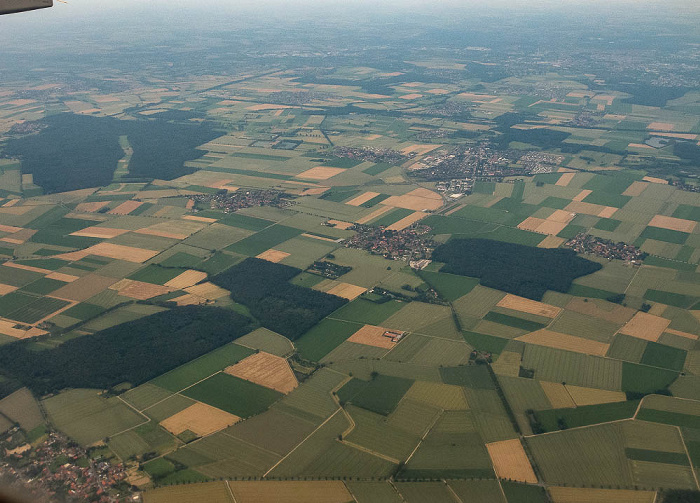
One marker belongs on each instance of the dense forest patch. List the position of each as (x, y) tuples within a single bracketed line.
[(521, 270), (71, 152), (133, 352), (285, 308)]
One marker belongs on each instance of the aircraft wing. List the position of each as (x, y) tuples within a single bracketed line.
[(12, 6)]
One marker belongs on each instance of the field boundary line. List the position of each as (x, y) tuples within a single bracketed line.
[(580, 427), (396, 489), (300, 443), (690, 460), (349, 491), (452, 492), (223, 432), (230, 491), (427, 431), (183, 389), (370, 451)]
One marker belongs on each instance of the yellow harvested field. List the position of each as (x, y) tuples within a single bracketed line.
[(661, 126), (531, 223), (5, 289), (187, 278), (566, 342), (674, 224), (16, 210), (91, 207), (10, 229), (588, 495), (347, 291), (120, 252), (417, 200), (585, 208), (551, 228), (195, 218), (616, 314), (635, 189), (591, 396), (407, 221), (313, 191), (419, 149), (524, 305), (362, 198), (438, 91), (376, 213), (266, 370), (510, 461), (652, 179), (207, 291), (373, 137), (582, 195), (551, 242), (138, 289), (59, 276), (681, 334), (607, 212), (565, 179), (201, 419), (125, 208), (320, 173), (289, 492), (273, 255), (267, 106), (557, 395), (83, 288), (680, 136), (20, 237), (189, 300), (413, 96), (640, 145), (339, 224), (173, 229), (370, 335), (8, 328), (320, 238), (645, 326), (561, 216), (11, 203), (99, 232), (27, 267)]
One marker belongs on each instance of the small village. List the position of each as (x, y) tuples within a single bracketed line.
[(585, 243), (373, 154), (410, 244), (65, 470), (230, 202)]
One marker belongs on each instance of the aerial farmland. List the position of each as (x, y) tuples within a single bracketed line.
[(424, 277)]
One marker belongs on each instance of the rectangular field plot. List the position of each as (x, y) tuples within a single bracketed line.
[(588, 456), (324, 337), (275, 430), (442, 455), (290, 492), (202, 367), (234, 395), (573, 368), (264, 240), (87, 417), (211, 492), (382, 394)]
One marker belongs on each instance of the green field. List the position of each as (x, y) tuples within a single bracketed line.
[(234, 395), (202, 367)]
